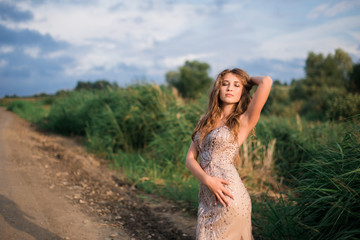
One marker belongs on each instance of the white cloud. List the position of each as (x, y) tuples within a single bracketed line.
[(341, 7), (32, 51), (316, 12), (336, 9), (324, 38), (79, 24), (355, 35), (6, 49), (173, 62), (3, 63), (103, 38), (55, 54)]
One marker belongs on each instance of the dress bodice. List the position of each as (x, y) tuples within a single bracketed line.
[(218, 146)]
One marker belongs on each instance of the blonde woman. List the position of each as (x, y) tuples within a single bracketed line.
[(224, 204)]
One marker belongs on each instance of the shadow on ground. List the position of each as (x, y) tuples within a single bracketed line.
[(21, 221)]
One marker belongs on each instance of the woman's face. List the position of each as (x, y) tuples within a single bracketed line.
[(230, 89)]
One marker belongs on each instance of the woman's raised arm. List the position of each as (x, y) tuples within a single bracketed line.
[(252, 114)]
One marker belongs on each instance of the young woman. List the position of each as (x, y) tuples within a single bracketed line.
[(224, 204)]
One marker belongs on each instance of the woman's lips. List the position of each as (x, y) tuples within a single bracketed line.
[(228, 95)]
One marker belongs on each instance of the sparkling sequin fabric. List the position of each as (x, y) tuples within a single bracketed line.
[(217, 153)]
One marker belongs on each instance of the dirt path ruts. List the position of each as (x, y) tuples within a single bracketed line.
[(30, 206), (50, 188)]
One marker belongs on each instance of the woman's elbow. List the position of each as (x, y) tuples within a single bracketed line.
[(268, 80), (189, 162)]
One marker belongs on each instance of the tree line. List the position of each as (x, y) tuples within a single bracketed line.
[(329, 90)]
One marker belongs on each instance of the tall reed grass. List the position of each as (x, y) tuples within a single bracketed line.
[(326, 202)]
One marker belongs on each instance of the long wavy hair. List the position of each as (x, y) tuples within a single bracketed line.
[(208, 121)]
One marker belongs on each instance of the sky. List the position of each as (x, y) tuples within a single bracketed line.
[(46, 46)]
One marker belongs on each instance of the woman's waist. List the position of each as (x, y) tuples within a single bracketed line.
[(219, 163), (218, 166), (224, 172)]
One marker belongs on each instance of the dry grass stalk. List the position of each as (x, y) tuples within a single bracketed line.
[(255, 164)]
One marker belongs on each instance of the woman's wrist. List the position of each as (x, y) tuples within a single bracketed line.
[(206, 179), (254, 80)]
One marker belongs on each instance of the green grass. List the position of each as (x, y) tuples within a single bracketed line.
[(151, 177), (31, 111), (325, 204)]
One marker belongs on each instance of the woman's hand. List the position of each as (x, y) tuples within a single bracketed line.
[(216, 186)]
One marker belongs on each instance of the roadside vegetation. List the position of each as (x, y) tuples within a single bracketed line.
[(302, 167)]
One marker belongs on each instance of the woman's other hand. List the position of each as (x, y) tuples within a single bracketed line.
[(216, 186)]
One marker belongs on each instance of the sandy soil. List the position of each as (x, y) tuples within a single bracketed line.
[(51, 188)]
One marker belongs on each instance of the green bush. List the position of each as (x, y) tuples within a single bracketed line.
[(326, 203), (341, 107), (129, 118), (291, 141), (31, 111), (68, 115)]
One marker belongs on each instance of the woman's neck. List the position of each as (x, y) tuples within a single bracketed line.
[(227, 109)]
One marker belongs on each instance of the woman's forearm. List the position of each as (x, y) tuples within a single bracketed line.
[(257, 80), (196, 170), (213, 183)]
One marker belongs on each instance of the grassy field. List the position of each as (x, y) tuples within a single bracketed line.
[(303, 175)]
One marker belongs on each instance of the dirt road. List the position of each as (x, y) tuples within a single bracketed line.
[(51, 188)]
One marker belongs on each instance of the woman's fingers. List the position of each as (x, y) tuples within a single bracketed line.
[(221, 200), (228, 193), (220, 192), (224, 181)]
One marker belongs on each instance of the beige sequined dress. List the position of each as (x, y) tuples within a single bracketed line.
[(217, 153)]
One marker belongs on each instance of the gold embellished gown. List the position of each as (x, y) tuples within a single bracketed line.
[(217, 154)]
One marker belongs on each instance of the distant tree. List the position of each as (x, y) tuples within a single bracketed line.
[(191, 79), (344, 63), (42, 94), (277, 82), (97, 85), (11, 96), (354, 84), (115, 85), (102, 84), (298, 89), (62, 92), (83, 85), (332, 71), (314, 69)]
